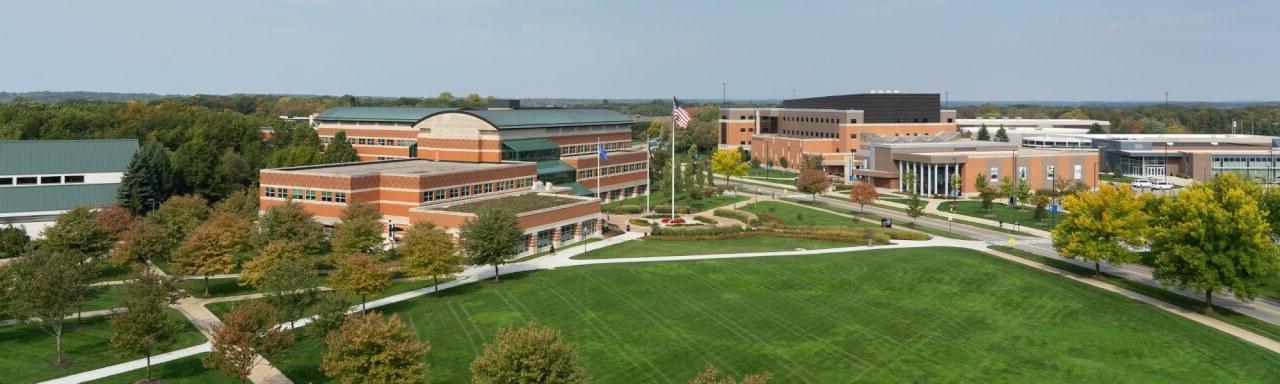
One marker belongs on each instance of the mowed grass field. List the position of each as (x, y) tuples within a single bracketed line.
[(791, 214), (909, 315), (1024, 216), (651, 248), (25, 350)]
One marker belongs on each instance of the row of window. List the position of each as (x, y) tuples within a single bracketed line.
[(375, 123), (584, 128), (1077, 172), (611, 170), (577, 149), (305, 194), (40, 180), (450, 193), (384, 142)]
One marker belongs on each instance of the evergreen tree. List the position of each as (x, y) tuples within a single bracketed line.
[(148, 181), (339, 150), (983, 134), (1002, 135)]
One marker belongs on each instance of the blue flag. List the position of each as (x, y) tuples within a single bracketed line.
[(603, 155)]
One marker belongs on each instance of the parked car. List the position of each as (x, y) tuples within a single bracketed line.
[(1162, 185), (1141, 183)]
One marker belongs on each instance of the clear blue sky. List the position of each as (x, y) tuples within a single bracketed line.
[(994, 50)]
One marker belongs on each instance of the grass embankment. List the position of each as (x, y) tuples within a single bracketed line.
[(771, 174), (885, 316), (25, 350), (762, 243), (664, 200), (1220, 313), (1002, 212), (790, 214), (876, 218)]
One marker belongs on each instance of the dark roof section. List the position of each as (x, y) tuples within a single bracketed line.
[(879, 107), (35, 157), (56, 197), (385, 114), (545, 118)]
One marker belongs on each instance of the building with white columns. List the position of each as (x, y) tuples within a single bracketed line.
[(951, 168)]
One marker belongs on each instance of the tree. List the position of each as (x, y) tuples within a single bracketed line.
[(429, 251), (143, 242), (1041, 201), (339, 150), (1002, 135), (728, 162), (371, 348), (291, 223), (1215, 236), (711, 375), (145, 326), (915, 206), (197, 164), (180, 216), (13, 241), (47, 286), (233, 170), (1095, 129), (115, 220), (360, 230), (212, 247), (248, 330), (528, 354), (360, 274), (783, 162), (811, 162), (331, 312), (77, 231), (1021, 190), (862, 193), (242, 203), (813, 182), (147, 181), (985, 192), (983, 134), (286, 275), (1102, 226), (491, 238)]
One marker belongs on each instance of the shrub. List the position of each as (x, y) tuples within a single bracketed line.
[(624, 209), (667, 209), (844, 187), (705, 220), (638, 221), (743, 216)]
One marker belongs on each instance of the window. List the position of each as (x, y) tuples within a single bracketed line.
[(73, 179), (1048, 172), (6, 181), (1022, 173), (51, 180), (311, 195), (269, 191), (326, 196), (26, 180), (1077, 172), (453, 193), (995, 174), (853, 135), (297, 194)]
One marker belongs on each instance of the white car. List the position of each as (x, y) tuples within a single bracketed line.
[(1141, 183), (1161, 185)]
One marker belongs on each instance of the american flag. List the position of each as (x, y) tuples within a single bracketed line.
[(679, 115)]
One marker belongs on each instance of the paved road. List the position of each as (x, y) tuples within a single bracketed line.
[(1267, 310)]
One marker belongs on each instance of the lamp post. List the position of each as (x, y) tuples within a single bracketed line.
[(1167, 144)]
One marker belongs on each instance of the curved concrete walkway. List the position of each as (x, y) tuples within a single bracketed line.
[(563, 259)]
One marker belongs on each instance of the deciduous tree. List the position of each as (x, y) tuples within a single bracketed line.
[(242, 203), (45, 287), (115, 220), (371, 348), (339, 150), (1215, 236), (361, 274), (247, 331), (813, 182), (290, 222), (13, 241), (728, 162), (179, 216), (915, 205), (144, 241), (862, 193), (528, 354), (491, 238), (360, 231), (212, 247), (1106, 225), (429, 251), (77, 231), (145, 326), (286, 275)]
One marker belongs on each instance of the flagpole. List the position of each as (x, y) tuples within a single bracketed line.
[(648, 163), (673, 158), (599, 160)]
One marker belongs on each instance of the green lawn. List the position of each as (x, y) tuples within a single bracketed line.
[(651, 248), (1121, 179), (1003, 212), (180, 371), (923, 315), (773, 174), (25, 351), (657, 199), (109, 296), (920, 228), (796, 215), (222, 308)]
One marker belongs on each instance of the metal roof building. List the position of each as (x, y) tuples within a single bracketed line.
[(40, 179)]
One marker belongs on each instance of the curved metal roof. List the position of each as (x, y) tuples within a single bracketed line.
[(388, 114)]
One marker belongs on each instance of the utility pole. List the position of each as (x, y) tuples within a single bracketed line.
[(723, 94)]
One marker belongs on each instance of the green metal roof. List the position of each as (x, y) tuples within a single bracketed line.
[(34, 157), (578, 189), (55, 197), (553, 166), (541, 118), (388, 114), (529, 145)]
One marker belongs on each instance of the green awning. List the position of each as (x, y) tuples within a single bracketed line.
[(546, 167), (530, 145), (578, 189)]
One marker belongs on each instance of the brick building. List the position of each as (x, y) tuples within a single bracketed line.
[(409, 191)]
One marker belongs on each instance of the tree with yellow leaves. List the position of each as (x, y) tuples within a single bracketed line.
[(212, 247), (430, 252), (728, 162), (1102, 226)]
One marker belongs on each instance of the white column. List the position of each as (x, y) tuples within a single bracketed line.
[(900, 174), (919, 177), (933, 179), (946, 180)]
